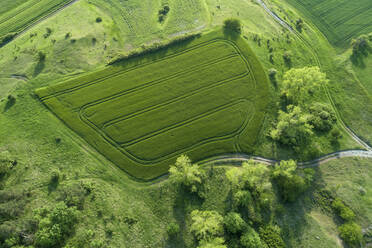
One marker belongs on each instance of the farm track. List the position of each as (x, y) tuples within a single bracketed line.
[(237, 159)]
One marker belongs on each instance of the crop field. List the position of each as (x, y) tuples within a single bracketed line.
[(203, 98), (15, 16), (339, 20)]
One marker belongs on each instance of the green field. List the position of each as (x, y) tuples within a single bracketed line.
[(339, 20), (15, 16), (206, 98)]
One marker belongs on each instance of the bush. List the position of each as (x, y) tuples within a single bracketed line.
[(7, 38), (206, 224), (48, 32), (54, 225), (299, 24), (335, 135), (232, 24), (351, 233), (41, 56), (287, 57), (322, 117), (360, 46), (271, 236), (163, 13), (251, 239), (343, 211), (234, 223), (289, 183), (185, 173), (173, 229)]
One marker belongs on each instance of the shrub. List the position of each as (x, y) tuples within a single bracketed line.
[(54, 225), (343, 211), (48, 32), (289, 183), (251, 239), (322, 117), (271, 236), (11, 99), (360, 46), (234, 223), (206, 224), (293, 128), (351, 233), (335, 134), (41, 56), (54, 178), (212, 243), (173, 229), (287, 57), (272, 75), (7, 38), (163, 13), (299, 24), (232, 24), (185, 173)]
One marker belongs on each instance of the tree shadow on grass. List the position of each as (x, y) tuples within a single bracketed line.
[(185, 202), (294, 221), (39, 68), (9, 104)]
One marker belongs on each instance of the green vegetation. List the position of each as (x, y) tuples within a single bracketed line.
[(19, 17), (220, 76), (339, 20), (57, 191), (232, 25)]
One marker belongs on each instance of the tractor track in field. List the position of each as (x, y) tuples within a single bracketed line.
[(237, 159), (53, 13)]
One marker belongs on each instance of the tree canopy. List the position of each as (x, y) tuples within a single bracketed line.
[(299, 83), (186, 173), (293, 128), (206, 225), (232, 24)]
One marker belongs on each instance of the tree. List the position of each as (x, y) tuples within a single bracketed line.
[(234, 223), (343, 211), (186, 173), (206, 224), (250, 176), (213, 243), (232, 24), (298, 84), (289, 183), (54, 225), (251, 239), (322, 117), (271, 236), (173, 229), (293, 128), (351, 233)]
